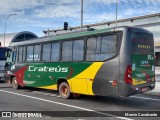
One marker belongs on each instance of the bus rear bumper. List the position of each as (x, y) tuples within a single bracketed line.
[(131, 90)]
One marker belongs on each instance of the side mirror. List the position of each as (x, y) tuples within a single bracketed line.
[(8, 64)]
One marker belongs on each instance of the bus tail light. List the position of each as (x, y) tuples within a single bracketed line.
[(128, 75), (148, 79)]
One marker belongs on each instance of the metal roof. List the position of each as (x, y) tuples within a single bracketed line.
[(12, 37), (105, 23), (74, 35)]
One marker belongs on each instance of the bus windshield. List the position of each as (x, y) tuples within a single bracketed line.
[(3, 54)]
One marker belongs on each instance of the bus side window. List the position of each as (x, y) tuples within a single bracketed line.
[(78, 50), (46, 51), (101, 48), (30, 55), (73, 50), (20, 53), (24, 54), (67, 50), (55, 52), (36, 53), (14, 53)]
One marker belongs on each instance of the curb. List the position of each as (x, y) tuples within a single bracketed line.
[(152, 93)]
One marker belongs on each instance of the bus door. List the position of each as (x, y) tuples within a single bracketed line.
[(79, 85), (9, 66)]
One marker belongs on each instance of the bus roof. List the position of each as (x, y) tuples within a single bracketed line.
[(79, 34), (71, 35), (60, 37), (5, 48)]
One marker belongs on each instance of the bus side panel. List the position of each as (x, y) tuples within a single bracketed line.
[(18, 71), (125, 60), (107, 80), (103, 83)]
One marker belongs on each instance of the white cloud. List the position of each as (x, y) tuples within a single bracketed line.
[(58, 12), (93, 18), (101, 1), (69, 8), (51, 13), (10, 6)]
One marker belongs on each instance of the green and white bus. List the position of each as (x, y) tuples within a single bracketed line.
[(106, 62)]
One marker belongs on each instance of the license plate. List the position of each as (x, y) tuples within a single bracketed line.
[(144, 89)]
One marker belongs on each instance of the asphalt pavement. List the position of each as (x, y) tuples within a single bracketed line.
[(51, 105), (156, 90)]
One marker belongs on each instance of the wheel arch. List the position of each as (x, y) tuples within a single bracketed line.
[(64, 88), (11, 77), (61, 80)]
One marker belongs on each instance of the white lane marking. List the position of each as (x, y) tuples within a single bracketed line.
[(53, 95), (49, 94), (44, 93), (34, 91), (72, 106), (145, 98), (58, 96)]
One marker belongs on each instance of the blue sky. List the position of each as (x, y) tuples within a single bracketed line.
[(39, 15)]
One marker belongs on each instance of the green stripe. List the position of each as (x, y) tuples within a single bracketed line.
[(80, 34), (44, 80)]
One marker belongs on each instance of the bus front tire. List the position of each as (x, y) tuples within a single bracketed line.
[(64, 90), (15, 83)]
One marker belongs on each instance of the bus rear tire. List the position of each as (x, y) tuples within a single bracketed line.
[(64, 90), (15, 83)]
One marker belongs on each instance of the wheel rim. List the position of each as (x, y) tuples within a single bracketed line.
[(64, 90)]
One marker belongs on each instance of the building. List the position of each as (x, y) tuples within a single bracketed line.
[(150, 22), (16, 37)]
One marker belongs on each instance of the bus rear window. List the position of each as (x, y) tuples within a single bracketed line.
[(142, 42)]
